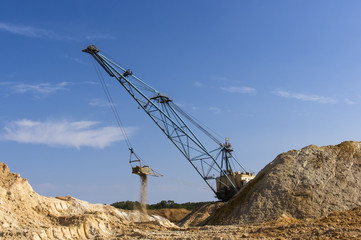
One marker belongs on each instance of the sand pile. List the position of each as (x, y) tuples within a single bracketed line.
[(172, 214), (310, 183), (199, 216), (26, 215)]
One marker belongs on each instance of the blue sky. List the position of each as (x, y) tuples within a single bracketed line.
[(270, 75)]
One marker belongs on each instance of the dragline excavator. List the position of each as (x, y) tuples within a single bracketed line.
[(214, 166)]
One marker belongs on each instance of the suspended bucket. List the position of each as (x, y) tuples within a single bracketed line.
[(140, 169)]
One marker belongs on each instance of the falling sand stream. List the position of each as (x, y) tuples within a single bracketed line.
[(143, 193)]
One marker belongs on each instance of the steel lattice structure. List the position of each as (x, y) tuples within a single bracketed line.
[(161, 109)]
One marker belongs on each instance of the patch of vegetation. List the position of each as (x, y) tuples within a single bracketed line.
[(132, 205), (127, 205)]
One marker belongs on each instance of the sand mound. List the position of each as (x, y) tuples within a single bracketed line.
[(26, 215), (310, 183), (172, 214), (199, 216)]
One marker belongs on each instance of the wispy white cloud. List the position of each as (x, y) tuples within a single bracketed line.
[(39, 88), (6, 83), (77, 60), (96, 102), (350, 102), (32, 32), (187, 106), (90, 82), (99, 36), (63, 133), (215, 110), (230, 89), (199, 84), (226, 79), (248, 90), (305, 97)]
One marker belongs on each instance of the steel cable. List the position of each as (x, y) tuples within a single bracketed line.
[(112, 105)]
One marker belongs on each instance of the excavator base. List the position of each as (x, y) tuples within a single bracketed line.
[(225, 190)]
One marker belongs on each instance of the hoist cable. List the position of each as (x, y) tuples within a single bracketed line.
[(197, 123), (141, 84), (235, 159), (194, 121), (116, 115), (203, 128), (112, 105)]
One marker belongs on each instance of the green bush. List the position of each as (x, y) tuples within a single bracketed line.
[(132, 205)]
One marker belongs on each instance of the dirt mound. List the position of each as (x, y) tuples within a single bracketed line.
[(200, 215), (26, 215), (338, 225), (172, 214), (310, 183)]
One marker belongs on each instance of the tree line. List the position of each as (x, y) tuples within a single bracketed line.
[(132, 205)]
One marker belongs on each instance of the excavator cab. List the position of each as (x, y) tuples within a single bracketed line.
[(225, 190)]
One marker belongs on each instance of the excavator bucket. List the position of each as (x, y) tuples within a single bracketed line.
[(141, 171)]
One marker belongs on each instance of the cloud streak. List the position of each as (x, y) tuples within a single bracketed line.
[(77, 60), (31, 32), (230, 89), (226, 79), (63, 133), (99, 36), (305, 97), (199, 84), (42, 88), (350, 102), (96, 102), (36, 89), (215, 110), (248, 90), (40, 33)]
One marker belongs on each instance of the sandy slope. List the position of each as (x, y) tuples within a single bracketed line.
[(26, 215), (172, 214), (308, 183)]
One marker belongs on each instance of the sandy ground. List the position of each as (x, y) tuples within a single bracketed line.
[(173, 215), (339, 225)]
